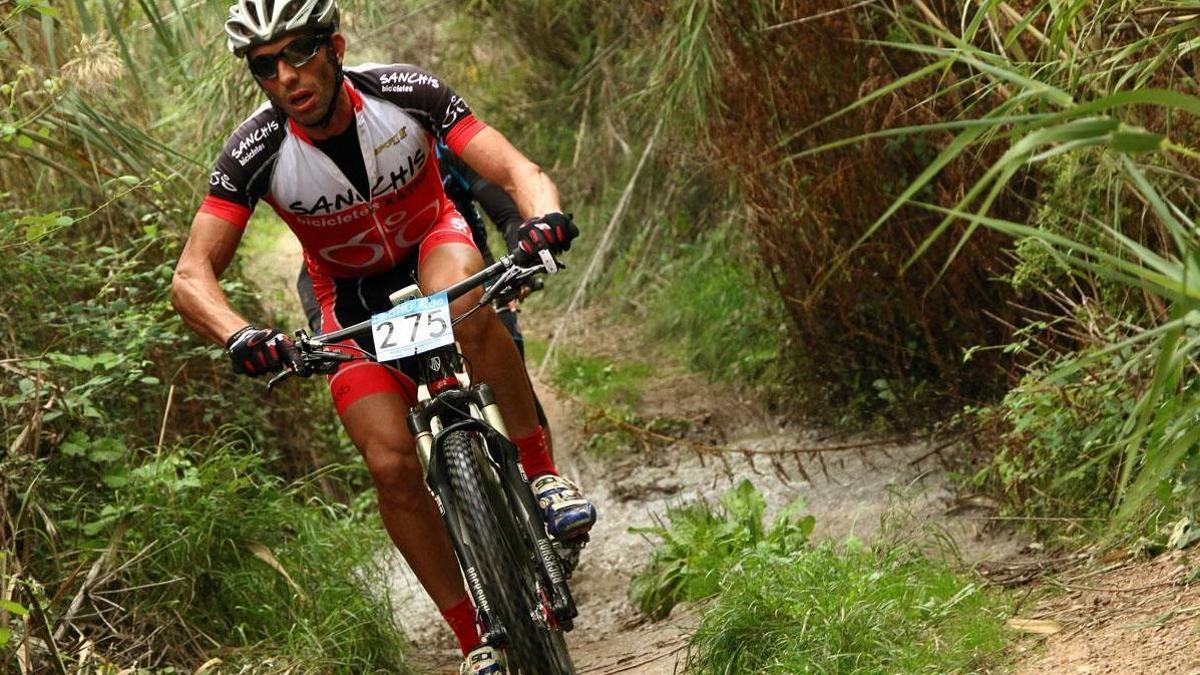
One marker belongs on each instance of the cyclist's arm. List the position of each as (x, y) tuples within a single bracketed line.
[(492, 198), (496, 203), (490, 154), (195, 292)]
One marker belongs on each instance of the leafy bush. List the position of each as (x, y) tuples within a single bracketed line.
[(204, 553), (129, 528), (701, 541), (781, 604), (1057, 456)]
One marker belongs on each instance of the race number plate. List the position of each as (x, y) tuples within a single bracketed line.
[(412, 328)]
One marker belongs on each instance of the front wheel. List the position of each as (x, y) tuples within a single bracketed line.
[(507, 561)]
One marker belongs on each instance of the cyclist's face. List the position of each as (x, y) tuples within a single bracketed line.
[(303, 93)]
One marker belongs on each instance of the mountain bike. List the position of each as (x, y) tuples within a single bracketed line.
[(516, 574)]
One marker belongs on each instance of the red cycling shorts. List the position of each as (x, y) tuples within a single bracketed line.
[(347, 301)]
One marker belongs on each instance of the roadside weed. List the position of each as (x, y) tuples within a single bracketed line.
[(775, 602)]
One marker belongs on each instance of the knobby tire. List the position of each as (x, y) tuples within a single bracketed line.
[(506, 559)]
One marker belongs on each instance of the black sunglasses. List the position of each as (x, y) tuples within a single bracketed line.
[(297, 53)]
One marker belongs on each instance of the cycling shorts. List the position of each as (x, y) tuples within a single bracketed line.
[(347, 301)]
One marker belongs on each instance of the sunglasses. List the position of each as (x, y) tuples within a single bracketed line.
[(297, 53)]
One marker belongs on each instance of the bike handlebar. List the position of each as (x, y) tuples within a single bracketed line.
[(453, 292), (315, 360)]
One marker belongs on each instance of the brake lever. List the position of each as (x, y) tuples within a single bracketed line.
[(283, 375)]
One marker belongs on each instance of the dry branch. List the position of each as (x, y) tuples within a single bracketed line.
[(88, 582)]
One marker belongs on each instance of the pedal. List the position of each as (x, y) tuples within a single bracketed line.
[(569, 552)]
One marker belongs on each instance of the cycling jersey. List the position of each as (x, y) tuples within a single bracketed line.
[(358, 248), (400, 112)]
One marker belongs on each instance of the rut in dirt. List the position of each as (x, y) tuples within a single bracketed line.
[(850, 496)]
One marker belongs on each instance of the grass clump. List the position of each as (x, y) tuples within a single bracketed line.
[(780, 604), (847, 609), (275, 572), (703, 540)]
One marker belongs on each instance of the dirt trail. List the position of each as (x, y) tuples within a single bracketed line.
[(1123, 617), (1112, 614), (848, 497)]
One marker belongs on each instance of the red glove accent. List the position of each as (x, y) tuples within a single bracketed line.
[(258, 351), (552, 232)]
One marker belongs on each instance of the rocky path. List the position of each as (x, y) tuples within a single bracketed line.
[(1122, 616), (847, 491)]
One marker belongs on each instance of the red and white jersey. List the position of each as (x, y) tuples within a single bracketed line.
[(400, 111)]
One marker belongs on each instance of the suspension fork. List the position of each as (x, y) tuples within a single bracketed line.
[(503, 453), (430, 450)]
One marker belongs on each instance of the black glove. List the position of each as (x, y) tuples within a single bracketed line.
[(552, 232), (257, 351)]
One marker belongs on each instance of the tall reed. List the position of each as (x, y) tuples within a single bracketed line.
[(1112, 85)]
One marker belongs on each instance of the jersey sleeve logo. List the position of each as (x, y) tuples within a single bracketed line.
[(403, 82), (252, 144), (219, 178), (454, 111)]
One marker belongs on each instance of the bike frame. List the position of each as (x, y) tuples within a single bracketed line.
[(446, 406)]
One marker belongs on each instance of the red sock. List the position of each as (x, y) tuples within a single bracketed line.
[(461, 618), (534, 455)]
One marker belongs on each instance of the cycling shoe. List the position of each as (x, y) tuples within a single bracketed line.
[(483, 660), (568, 515)]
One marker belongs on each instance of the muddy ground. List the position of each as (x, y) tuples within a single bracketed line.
[(1099, 612), (848, 492)]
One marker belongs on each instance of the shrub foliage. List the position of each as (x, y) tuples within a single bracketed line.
[(153, 511)]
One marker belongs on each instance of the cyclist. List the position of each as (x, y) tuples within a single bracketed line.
[(343, 157), (465, 188)]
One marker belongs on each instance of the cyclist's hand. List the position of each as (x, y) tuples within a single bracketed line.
[(257, 351), (552, 232)]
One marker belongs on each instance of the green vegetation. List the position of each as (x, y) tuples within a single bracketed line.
[(700, 542), (612, 389), (781, 604), (1016, 186), (1104, 420), (154, 511), (271, 572), (597, 89), (717, 316), (725, 210), (601, 382), (866, 215), (848, 609)]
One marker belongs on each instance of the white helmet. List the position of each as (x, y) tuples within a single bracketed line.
[(256, 22)]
